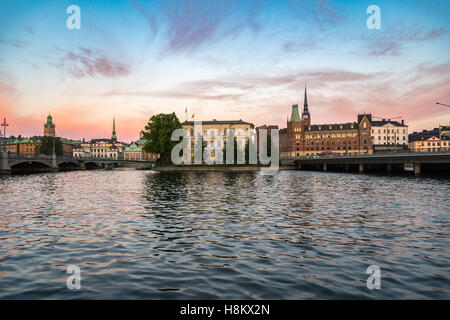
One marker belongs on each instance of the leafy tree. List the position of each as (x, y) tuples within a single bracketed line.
[(157, 134), (46, 146)]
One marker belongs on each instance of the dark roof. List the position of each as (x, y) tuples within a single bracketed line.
[(427, 134), (334, 126), (108, 140), (383, 122), (218, 122), (273, 126), (368, 115)]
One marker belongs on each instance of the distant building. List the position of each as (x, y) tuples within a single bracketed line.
[(101, 148), (389, 135), (23, 146), (49, 127), (435, 140), (136, 152), (31, 145), (301, 138)]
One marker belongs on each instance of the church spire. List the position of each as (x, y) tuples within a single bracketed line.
[(114, 137), (305, 113)]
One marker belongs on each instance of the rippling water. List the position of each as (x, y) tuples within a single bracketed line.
[(293, 235)]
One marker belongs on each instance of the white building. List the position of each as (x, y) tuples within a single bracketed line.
[(389, 135), (101, 148)]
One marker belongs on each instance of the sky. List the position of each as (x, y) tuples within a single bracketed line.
[(222, 59)]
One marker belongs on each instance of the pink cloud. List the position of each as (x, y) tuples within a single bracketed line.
[(87, 62)]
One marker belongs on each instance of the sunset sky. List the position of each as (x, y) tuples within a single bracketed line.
[(225, 60)]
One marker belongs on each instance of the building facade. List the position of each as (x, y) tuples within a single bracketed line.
[(136, 152), (301, 138), (23, 146), (389, 135), (436, 140), (215, 132)]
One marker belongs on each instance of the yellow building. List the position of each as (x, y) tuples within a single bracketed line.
[(429, 140), (23, 146)]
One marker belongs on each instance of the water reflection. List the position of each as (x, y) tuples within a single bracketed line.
[(292, 235)]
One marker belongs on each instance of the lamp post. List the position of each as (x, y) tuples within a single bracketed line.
[(4, 125), (443, 104)]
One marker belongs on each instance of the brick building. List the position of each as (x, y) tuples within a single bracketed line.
[(301, 138)]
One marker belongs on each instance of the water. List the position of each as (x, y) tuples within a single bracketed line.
[(294, 235)]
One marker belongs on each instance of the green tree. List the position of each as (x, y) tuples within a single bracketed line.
[(46, 146), (157, 134)]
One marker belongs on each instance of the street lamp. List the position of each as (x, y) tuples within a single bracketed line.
[(443, 104)]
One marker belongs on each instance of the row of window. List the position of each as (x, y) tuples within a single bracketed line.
[(218, 132), (333, 135), (328, 148), (333, 142), (389, 138), (390, 131), (429, 144)]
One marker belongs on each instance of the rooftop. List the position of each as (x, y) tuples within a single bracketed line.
[(214, 121)]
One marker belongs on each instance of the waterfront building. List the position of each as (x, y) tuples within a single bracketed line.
[(215, 132), (301, 138), (435, 140), (388, 135), (136, 152), (101, 148), (31, 145), (133, 152), (23, 146), (49, 127)]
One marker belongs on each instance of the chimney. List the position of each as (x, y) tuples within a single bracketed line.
[(403, 122)]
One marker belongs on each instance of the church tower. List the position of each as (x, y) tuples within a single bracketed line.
[(49, 127), (305, 114), (113, 136)]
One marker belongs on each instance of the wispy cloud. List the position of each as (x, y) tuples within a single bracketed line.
[(90, 62), (392, 41), (17, 43), (189, 25), (320, 12)]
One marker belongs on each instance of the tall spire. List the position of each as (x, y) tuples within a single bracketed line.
[(114, 137), (305, 113)]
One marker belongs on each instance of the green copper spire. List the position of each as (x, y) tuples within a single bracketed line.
[(114, 137), (295, 116)]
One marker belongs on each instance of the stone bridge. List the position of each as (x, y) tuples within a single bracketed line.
[(10, 163), (415, 162)]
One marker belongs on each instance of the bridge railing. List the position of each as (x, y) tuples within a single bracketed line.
[(375, 154), (35, 157)]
